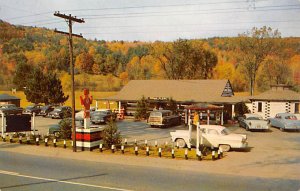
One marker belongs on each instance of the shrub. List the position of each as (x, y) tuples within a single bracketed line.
[(111, 135), (65, 126), (142, 109)]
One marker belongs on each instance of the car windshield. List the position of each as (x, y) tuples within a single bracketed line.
[(254, 118), (155, 114), (225, 132), (30, 107), (58, 109), (100, 112), (291, 117)]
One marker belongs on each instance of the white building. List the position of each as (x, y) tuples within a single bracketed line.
[(280, 99)]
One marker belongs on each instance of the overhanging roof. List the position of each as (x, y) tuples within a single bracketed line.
[(277, 95), (6, 97), (204, 91)]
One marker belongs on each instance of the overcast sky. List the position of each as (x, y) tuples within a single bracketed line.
[(150, 20)]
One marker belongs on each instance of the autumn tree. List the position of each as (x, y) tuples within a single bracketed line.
[(84, 62), (186, 60), (255, 46)]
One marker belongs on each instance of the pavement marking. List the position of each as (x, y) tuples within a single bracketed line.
[(61, 181)]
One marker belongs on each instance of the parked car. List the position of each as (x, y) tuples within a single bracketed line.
[(285, 121), (253, 122), (55, 128), (45, 110), (213, 135), (32, 109), (163, 118), (9, 109), (102, 116), (61, 112)]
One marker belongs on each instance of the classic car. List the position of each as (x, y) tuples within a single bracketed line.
[(213, 135), (61, 112), (102, 116), (45, 110), (285, 121), (32, 109), (253, 122), (163, 118), (54, 129), (9, 109)]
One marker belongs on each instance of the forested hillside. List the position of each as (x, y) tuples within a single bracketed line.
[(259, 60)]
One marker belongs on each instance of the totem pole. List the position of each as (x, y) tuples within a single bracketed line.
[(86, 101)]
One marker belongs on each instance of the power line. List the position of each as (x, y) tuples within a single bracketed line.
[(201, 24)]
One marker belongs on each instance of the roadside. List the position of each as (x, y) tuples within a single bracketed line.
[(265, 159)]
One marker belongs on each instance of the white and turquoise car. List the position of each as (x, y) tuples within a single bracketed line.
[(251, 121), (285, 121)]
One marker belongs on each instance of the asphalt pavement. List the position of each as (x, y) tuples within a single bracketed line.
[(28, 172)]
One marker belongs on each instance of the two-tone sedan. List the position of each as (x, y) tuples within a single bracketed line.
[(213, 135), (285, 121), (253, 122)]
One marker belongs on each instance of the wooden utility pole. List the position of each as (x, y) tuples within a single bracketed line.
[(69, 20)]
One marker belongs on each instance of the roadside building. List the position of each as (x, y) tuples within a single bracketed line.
[(279, 99), (8, 99), (184, 92)]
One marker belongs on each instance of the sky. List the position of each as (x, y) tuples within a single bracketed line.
[(151, 20)]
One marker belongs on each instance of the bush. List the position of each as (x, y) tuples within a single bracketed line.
[(65, 126), (142, 109), (111, 135)]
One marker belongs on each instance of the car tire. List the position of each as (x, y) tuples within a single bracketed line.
[(247, 128), (269, 124), (181, 143), (224, 148), (281, 129)]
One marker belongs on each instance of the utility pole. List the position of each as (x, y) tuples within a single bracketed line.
[(69, 20)]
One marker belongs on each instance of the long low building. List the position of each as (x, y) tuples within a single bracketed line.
[(184, 92), (279, 99)]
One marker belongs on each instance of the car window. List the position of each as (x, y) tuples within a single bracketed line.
[(254, 118), (212, 132), (291, 117), (225, 132)]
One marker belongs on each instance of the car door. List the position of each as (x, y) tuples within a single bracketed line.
[(211, 137), (276, 121)]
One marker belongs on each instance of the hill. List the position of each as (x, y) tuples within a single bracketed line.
[(107, 66)]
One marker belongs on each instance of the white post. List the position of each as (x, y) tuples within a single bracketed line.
[(33, 123), (96, 105), (232, 111), (208, 117), (86, 122), (190, 131), (222, 117), (3, 125), (119, 107), (198, 135)]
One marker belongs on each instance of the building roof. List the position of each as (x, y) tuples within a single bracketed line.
[(6, 97), (204, 91), (278, 95)]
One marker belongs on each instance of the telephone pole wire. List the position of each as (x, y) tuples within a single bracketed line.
[(69, 19)]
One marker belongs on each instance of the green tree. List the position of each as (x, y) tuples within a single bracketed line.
[(55, 93), (240, 109), (111, 135), (22, 74), (142, 109), (36, 87), (172, 105), (65, 126), (41, 88), (255, 47)]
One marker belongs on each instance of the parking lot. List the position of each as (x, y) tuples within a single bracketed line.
[(272, 154)]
